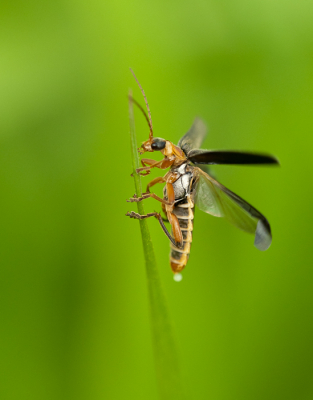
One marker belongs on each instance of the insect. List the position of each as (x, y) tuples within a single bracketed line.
[(186, 185)]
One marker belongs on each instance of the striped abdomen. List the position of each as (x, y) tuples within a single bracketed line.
[(184, 211)]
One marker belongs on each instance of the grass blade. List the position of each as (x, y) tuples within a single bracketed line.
[(165, 349)]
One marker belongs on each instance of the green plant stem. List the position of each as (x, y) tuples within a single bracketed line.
[(164, 343)]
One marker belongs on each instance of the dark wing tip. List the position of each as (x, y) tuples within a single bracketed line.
[(270, 159), (276, 161), (199, 156), (263, 236)]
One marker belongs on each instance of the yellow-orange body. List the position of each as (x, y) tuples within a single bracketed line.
[(179, 210)]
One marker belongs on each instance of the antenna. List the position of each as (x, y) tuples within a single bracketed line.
[(144, 95), (141, 109)]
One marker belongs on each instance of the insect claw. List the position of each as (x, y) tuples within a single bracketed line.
[(132, 199), (143, 173), (136, 199), (134, 215)]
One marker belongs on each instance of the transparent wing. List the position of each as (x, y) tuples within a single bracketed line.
[(194, 138), (215, 199)]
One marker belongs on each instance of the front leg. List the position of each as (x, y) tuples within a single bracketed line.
[(163, 164), (146, 170), (144, 162)]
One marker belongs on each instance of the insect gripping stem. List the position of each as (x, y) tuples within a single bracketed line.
[(164, 342)]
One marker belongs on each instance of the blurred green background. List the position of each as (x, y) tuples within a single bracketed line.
[(74, 310)]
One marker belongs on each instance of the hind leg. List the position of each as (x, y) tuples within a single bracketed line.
[(134, 215)]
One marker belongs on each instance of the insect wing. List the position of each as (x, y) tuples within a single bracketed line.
[(215, 199), (198, 156), (194, 137)]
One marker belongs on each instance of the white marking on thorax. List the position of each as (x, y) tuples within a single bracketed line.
[(185, 179), (182, 169)]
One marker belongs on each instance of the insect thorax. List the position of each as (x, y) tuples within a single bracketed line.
[(182, 184)]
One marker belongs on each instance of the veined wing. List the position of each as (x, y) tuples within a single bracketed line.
[(194, 137), (215, 199)]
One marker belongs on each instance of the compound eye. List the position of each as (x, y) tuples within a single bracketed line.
[(158, 144)]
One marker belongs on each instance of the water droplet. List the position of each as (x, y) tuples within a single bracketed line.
[(177, 277)]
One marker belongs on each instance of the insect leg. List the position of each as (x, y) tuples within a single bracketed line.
[(144, 163), (177, 233), (134, 215), (148, 161), (165, 219), (145, 170), (160, 179), (150, 184), (173, 220), (163, 164), (136, 199)]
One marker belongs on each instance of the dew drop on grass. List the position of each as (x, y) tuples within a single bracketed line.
[(177, 277)]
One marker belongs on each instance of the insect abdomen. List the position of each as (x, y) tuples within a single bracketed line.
[(184, 212)]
